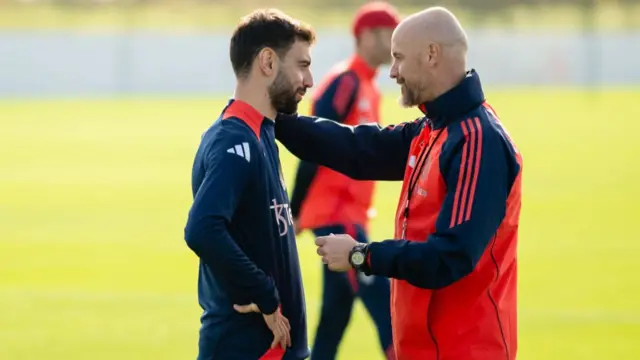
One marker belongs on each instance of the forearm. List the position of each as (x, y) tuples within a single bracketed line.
[(363, 152), (420, 263), (320, 141), (304, 178), (244, 281)]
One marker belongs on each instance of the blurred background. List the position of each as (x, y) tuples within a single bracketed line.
[(102, 104), (80, 47)]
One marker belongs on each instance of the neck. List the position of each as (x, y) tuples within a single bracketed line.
[(445, 84), (367, 58), (259, 100)]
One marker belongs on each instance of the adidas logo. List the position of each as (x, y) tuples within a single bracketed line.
[(241, 150)]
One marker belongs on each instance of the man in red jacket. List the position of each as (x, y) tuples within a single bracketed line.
[(453, 257)]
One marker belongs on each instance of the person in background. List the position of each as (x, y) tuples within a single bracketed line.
[(326, 201)]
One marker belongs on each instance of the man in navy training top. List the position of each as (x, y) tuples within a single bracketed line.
[(240, 223)]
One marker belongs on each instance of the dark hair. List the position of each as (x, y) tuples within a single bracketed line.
[(268, 28)]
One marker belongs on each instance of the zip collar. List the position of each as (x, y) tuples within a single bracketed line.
[(456, 102)]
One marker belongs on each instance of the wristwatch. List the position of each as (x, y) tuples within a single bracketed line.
[(358, 255)]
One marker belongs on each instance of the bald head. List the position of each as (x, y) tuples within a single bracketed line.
[(433, 25), (429, 50)]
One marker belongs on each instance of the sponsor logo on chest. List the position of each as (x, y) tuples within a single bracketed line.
[(282, 214)]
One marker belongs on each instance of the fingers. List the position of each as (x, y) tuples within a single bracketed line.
[(277, 332), (281, 330), (285, 340), (321, 251), (321, 240), (286, 328), (244, 309), (280, 336), (285, 321)]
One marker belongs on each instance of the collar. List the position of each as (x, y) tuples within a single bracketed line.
[(459, 100), (361, 67), (246, 113)]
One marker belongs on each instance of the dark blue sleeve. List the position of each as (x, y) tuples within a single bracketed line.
[(363, 152), (336, 102), (206, 233), (476, 171), (304, 178)]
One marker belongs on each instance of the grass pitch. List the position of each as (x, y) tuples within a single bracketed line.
[(94, 195)]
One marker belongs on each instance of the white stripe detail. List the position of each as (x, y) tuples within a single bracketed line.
[(241, 150), (247, 154)]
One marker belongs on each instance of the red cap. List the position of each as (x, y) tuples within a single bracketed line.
[(377, 14)]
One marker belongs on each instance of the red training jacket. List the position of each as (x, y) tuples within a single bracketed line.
[(453, 260)]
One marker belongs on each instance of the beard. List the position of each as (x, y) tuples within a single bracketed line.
[(283, 95), (410, 95)]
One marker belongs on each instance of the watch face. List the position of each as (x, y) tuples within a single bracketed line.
[(357, 258)]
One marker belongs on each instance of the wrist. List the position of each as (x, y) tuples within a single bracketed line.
[(358, 256)]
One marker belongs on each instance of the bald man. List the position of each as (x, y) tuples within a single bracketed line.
[(453, 257)]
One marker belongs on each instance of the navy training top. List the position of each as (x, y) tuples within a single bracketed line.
[(240, 226)]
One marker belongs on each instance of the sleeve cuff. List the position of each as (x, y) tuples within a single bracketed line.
[(366, 268), (270, 302), (377, 260)]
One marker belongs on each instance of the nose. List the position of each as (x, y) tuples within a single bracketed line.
[(393, 70), (308, 81)]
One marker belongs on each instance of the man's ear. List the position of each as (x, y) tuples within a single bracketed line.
[(268, 61), (433, 53)]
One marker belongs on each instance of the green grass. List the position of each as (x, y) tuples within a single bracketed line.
[(197, 15), (94, 196)]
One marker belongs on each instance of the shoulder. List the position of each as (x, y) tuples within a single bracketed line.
[(412, 128), (229, 136), (479, 132), (344, 81)]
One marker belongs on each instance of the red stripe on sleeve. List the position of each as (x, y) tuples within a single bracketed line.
[(456, 199), (468, 166), (342, 95), (476, 168)]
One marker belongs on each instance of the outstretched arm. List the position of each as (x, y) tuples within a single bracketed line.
[(478, 179), (363, 152), (207, 232)]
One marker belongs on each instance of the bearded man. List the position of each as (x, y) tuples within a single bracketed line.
[(240, 223)]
